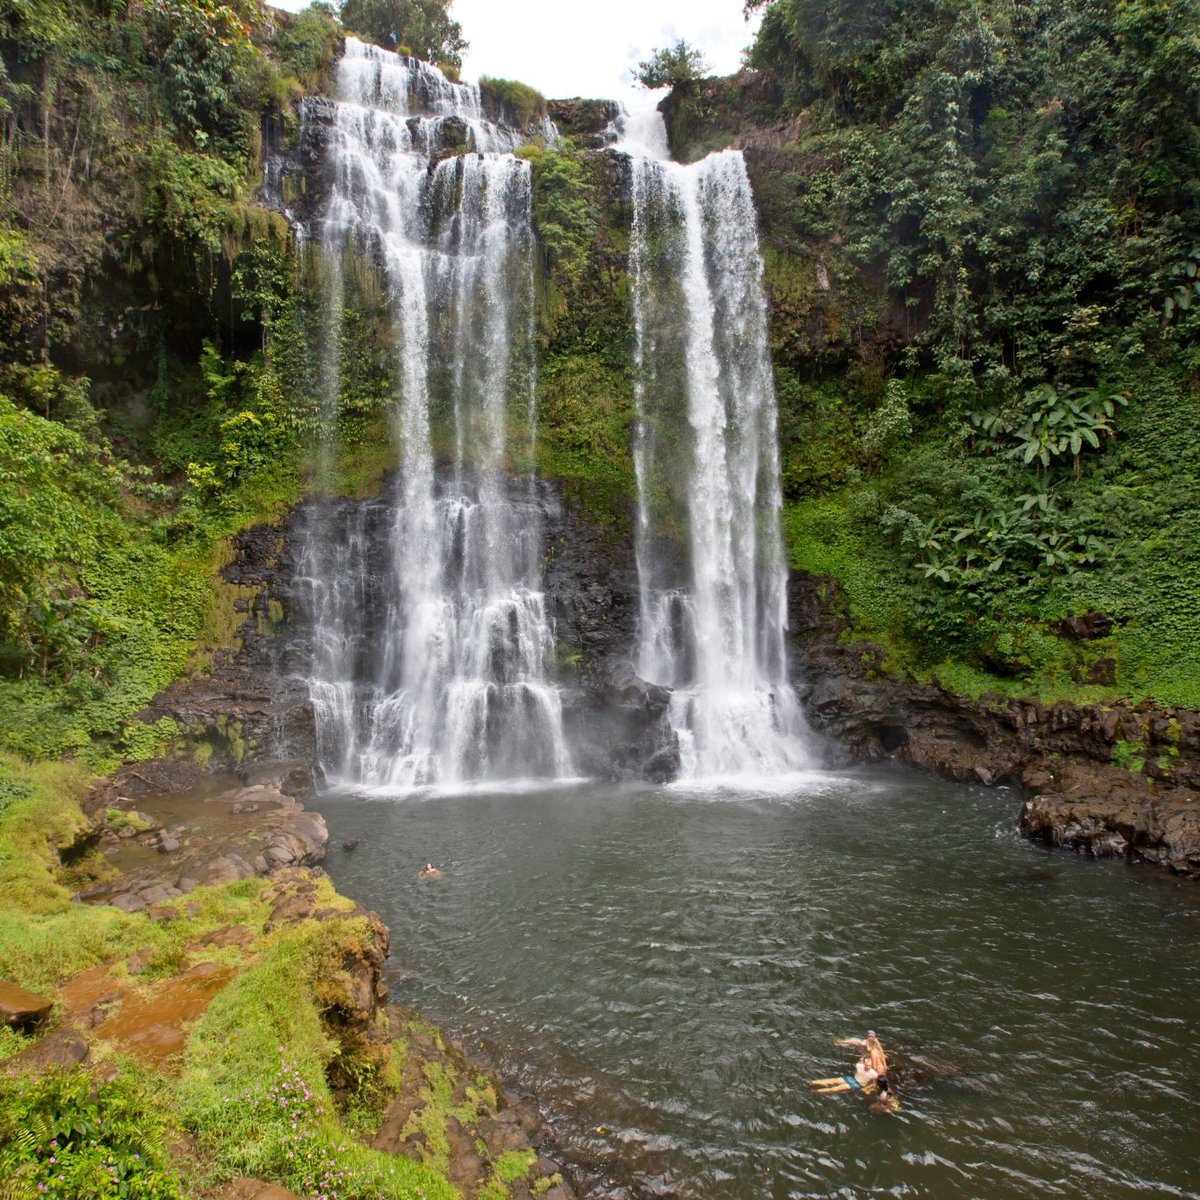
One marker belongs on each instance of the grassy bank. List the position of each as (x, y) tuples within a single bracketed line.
[(284, 1077)]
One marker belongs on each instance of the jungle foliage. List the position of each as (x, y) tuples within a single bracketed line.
[(983, 253), (585, 382), (150, 343)]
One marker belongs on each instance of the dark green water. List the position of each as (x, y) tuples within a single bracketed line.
[(671, 966)]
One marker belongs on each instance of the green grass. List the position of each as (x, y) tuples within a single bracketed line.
[(822, 539), (40, 814), (254, 1087)]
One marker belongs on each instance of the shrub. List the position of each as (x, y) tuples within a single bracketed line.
[(64, 1134)]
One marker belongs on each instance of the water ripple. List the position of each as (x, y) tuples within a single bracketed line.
[(672, 967)]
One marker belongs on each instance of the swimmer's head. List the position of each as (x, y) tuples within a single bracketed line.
[(870, 1035)]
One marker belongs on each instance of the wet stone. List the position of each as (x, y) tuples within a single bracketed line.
[(128, 902), (22, 1009), (502, 1134), (61, 1049)]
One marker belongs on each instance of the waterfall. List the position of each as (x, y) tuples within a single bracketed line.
[(431, 638), (711, 568)]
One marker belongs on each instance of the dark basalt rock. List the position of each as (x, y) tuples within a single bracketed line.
[(589, 122), (1089, 626), (1063, 753)]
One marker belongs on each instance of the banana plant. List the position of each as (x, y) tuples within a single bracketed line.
[(1059, 423)]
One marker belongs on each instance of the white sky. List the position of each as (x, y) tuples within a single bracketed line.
[(571, 48)]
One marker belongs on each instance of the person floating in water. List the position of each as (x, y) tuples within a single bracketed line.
[(428, 873), (887, 1101), (874, 1048), (863, 1079)]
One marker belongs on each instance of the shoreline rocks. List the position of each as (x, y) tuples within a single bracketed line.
[(1066, 757), (199, 839)]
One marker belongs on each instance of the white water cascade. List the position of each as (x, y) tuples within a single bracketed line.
[(431, 634), (712, 575)]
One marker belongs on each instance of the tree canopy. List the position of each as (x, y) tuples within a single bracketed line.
[(672, 65), (425, 27)]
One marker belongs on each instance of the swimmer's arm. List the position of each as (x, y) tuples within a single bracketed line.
[(849, 1042)]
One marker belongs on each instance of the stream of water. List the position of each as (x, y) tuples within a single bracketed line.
[(668, 967)]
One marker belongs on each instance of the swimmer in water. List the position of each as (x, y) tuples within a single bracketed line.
[(863, 1080), (428, 873), (873, 1046), (887, 1101)]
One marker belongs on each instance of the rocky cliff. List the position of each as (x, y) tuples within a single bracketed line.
[(1106, 780)]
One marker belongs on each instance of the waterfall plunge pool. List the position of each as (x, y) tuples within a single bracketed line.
[(670, 966)]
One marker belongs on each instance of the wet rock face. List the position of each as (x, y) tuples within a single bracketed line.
[(589, 122), (1108, 812), (1063, 753), (615, 723)]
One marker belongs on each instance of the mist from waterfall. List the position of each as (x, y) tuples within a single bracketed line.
[(431, 634), (711, 568)]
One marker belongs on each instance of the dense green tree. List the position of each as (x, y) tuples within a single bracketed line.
[(425, 27), (672, 65)]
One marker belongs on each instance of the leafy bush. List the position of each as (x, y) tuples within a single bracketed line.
[(64, 1134)]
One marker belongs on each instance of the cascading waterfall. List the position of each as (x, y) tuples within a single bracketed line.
[(431, 635), (712, 576)]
